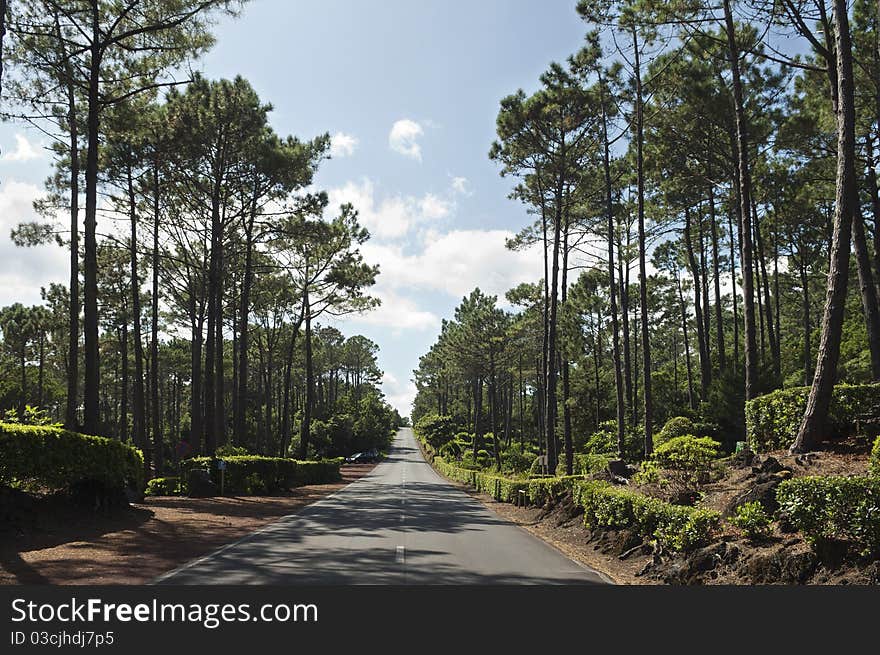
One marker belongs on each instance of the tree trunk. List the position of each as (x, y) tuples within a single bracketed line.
[(687, 348), (566, 386), (140, 424), (772, 336), (244, 309), (733, 292), (702, 338), (288, 372), (197, 387), (866, 289), (550, 401), (306, 424), (745, 195), (846, 198), (719, 320), (615, 330), (643, 273), (807, 324), (70, 414), (158, 444), (123, 355), (90, 291)]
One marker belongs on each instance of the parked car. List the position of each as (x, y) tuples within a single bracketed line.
[(367, 457)]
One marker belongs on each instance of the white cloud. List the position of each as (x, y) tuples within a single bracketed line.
[(24, 270), (397, 313), (343, 145), (393, 216), (434, 207), (403, 138), (461, 186), (24, 151), (456, 262), (400, 396)]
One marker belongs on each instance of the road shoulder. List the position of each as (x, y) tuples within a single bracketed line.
[(135, 546)]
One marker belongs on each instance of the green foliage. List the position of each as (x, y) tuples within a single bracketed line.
[(228, 450), (605, 506), (252, 474), (586, 463), (772, 420), (435, 430), (683, 461), (168, 486), (677, 426), (54, 458), (604, 442), (504, 488), (753, 520), (32, 416), (516, 459), (874, 459), (833, 507), (675, 526)]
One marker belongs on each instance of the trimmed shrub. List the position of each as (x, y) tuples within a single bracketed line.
[(57, 459), (772, 420), (674, 526), (253, 474), (586, 464), (169, 486), (874, 459), (677, 426), (753, 520), (833, 507), (228, 450), (516, 459), (604, 442), (684, 462)]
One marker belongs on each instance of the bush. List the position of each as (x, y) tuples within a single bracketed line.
[(685, 461), (586, 464), (516, 459), (169, 486), (677, 426), (674, 526), (874, 459), (252, 474), (604, 442), (435, 430), (753, 520), (57, 459), (772, 420), (833, 507), (228, 450)]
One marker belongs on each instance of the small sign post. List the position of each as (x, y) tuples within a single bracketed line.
[(221, 466)]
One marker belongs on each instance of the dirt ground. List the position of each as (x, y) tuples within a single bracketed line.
[(782, 558), (60, 545)]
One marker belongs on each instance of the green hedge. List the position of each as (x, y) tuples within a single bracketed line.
[(833, 507), (56, 458), (507, 489), (606, 506), (675, 526), (874, 459), (772, 420), (169, 486), (256, 475)]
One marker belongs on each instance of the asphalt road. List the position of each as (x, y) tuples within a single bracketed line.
[(401, 524)]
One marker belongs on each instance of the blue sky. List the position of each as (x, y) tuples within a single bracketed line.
[(410, 91)]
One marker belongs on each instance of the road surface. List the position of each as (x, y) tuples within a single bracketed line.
[(401, 524)]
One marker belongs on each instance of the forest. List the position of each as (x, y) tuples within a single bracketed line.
[(206, 269), (701, 181)]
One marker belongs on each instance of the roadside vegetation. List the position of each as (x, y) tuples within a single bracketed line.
[(191, 340), (700, 363)]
